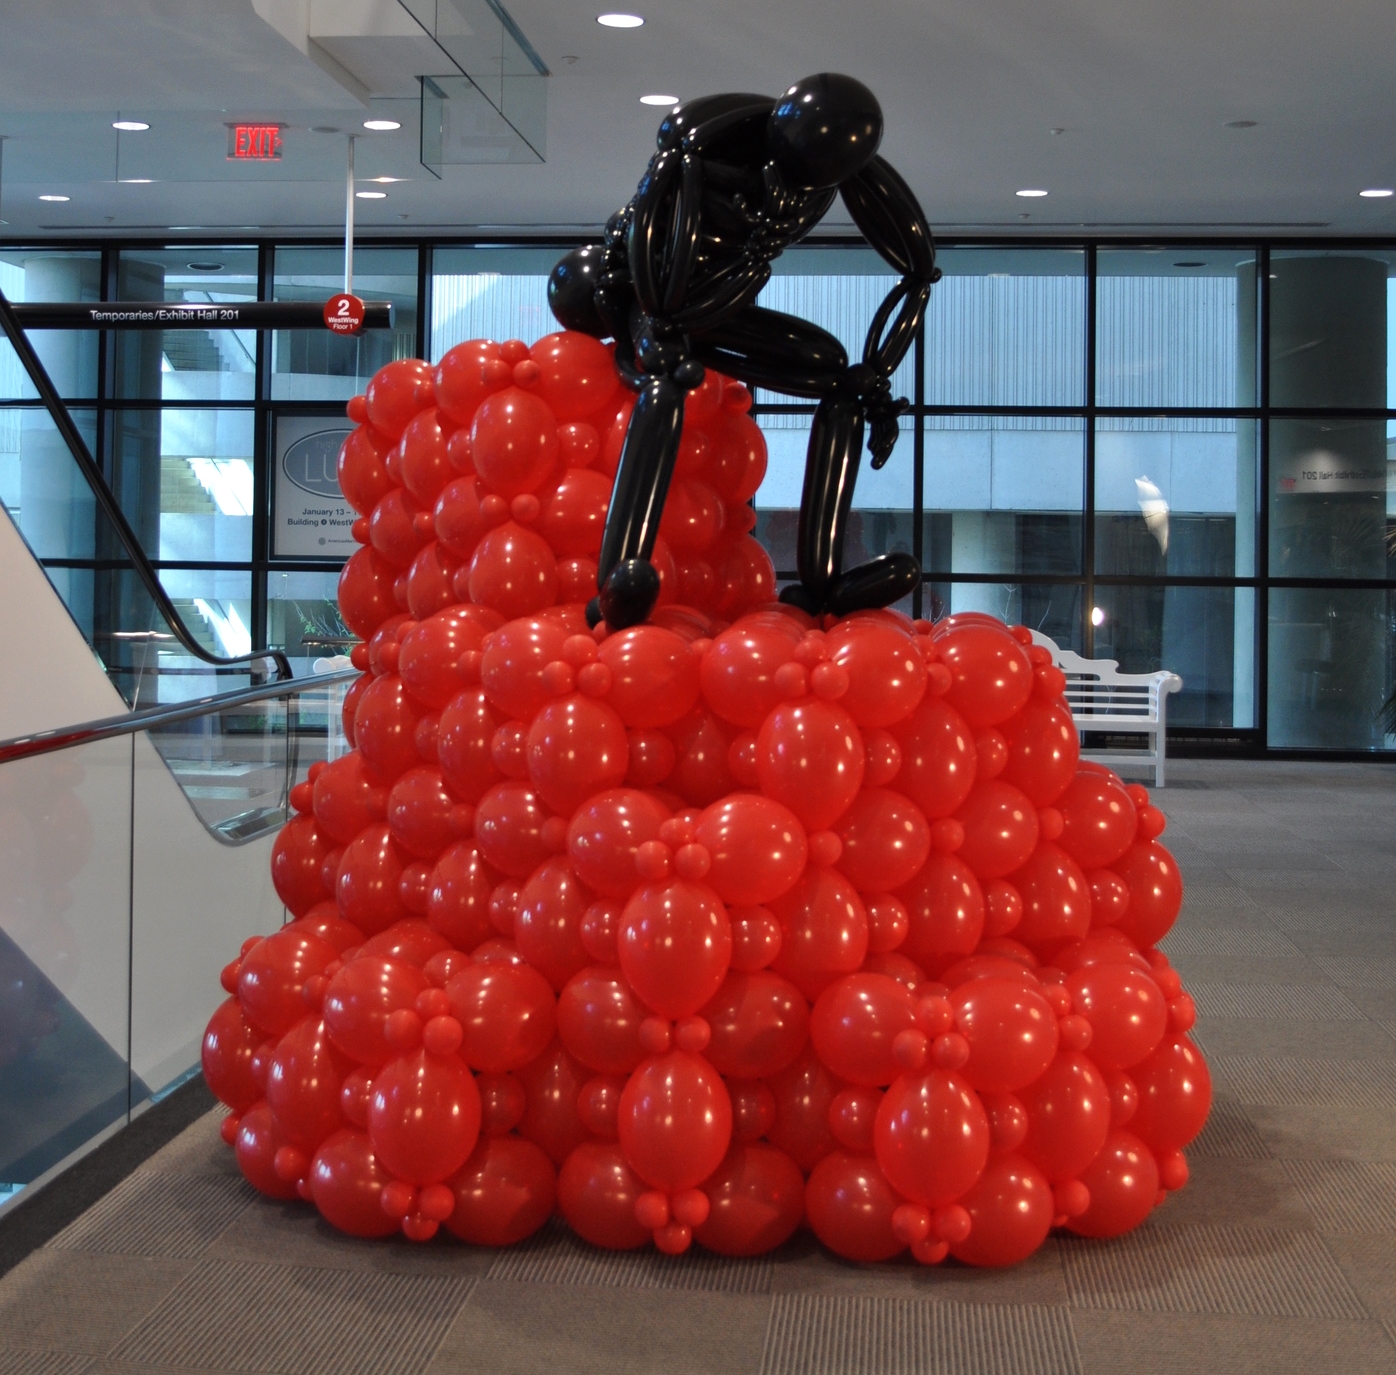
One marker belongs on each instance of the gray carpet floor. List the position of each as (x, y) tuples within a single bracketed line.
[(1279, 1256)]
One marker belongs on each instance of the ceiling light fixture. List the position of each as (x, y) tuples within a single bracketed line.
[(1375, 193), (1240, 124), (55, 198), (204, 267), (382, 126), (385, 181), (619, 21), (371, 195), (1191, 262), (1030, 194), (130, 126), (659, 100), (135, 181)]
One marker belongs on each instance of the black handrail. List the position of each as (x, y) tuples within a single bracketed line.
[(111, 508), (133, 722)]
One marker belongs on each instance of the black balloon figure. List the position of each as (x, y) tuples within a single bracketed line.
[(737, 179)]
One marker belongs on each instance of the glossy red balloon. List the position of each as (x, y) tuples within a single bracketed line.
[(654, 675), (551, 1084), (462, 379), (368, 885), (1127, 1013), (756, 845), (605, 834), (507, 1015), (272, 974), (1056, 898), (346, 1185), (458, 895), (513, 571), (1099, 820), (422, 454), (360, 999), (675, 1120), (393, 532), (809, 755), (385, 728), (1001, 829), (849, 1203), (854, 1023), (577, 746), (1011, 1030), (598, 1019), (886, 674), (366, 591), (675, 946), (573, 513), (306, 1074), (256, 1145), (423, 1116), (1155, 892), (464, 732), (509, 829), (596, 1194), (803, 1093), (759, 1023), (938, 758), (1011, 1211), (422, 813), (737, 674), (756, 1201), (932, 1136), (297, 855), (1123, 1183), (396, 392), (548, 925), (990, 673), (700, 775), (885, 840), (1175, 1095), (346, 798), (824, 930), (1068, 1116), (226, 1056), (1043, 748), (576, 374), (429, 652), (513, 442), (945, 911), (504, 1192), (363, 474)]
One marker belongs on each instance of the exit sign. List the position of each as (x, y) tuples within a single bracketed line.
[(254, 142)]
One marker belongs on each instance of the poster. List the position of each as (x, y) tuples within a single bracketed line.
[(311, 518)]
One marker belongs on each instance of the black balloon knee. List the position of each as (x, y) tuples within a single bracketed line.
[(629, 594), (882, 582), (798, 595)]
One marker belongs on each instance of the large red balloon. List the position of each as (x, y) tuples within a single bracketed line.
[(513, 661), (1155, 892), (548, 926), (606, 833), (1056, 898), (1001, 829), (576, 747), (360, 999), (596, 1194), (513, 442), (1126, 1010), (654, 675), (803, 1093), (809, 755), (598, 1019), (385, 728), (759, 1023), (504, 1192), (576, 374), (938, 758), (757, 848), (272, 974), (849, 1204), (885, 840), (945, 911), (675, 946), (675, 1120), (990, 673), (424, 1116), (368, 887), (229, 1043), (257, 1142), (932, 1136), (854, 1023), (824, 930), (1068, 1117), (738, 674), (1011, 1211), (346, 1185), (1123, 1184), (756, 1201), (551, 1085), (1098, 819), (306, 1074), (886, 674), (297, 855), (1175, 1095), (507, 1014), (1043, 748), (458, 896), (463, 735), (1011, 1030)]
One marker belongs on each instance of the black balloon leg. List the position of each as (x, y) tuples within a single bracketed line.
[(831, 467), (877, 583)]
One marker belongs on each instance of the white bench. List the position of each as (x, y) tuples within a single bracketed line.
[(1103, 698)]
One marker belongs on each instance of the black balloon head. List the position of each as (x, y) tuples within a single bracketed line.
[(570, 291), (823, 130)]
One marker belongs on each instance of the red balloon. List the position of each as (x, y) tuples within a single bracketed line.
[(366, 591), (854, 1024), (849, 1204), (885, 840), (368, 885), (552, 1083), (573, 514), (576, 747), (458, 896), (513, 571), (606, 833), (938, 758), (746, 576), (297, 856), (1068, 1117), (228, 1045), (675, 945), (509, 829), (990, 673), (272, 974), (1123, 1184), (576, 374), (598, 1019), (513, 442), (410, 940), (360, 999), (1155, 892), (1043, 748), (1001, 829), (803, 1094), (507, 1015), (596, 1194), (675, 1120), (1056, 898), (824, 931), (514, 657), (1098, 819), (256, 1145), (693, 516), (547, 928), (1011, 1211), (396, 392), (739, 456), (1011, 1030), (346, 799), (346, 1185), (504, 1192), (945, 911), (932, 1136), (393, 531), (886, 674), (303, 1084), (757, 1200), (429, 652), (1175, 1096), (463, 737), (654, 675), (757, 847), (363, 474), (738, 673), (700, 775), (458, 519), (422, 454), (1127, 1013), (809, 755), (759, 1024), (422, 813), (1105, 946), (423, 1116), (385, 728)]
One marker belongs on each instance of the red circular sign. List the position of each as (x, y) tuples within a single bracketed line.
[(344, 314)]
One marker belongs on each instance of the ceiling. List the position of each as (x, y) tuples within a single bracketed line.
[(1119, 108)]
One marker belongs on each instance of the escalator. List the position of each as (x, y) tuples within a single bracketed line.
[(143, 775)]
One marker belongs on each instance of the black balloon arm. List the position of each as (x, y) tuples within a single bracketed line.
[(646, 239), (884, 207), (686, 236), (755, 107)]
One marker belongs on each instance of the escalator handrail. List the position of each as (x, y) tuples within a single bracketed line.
[(111, 508), (151, 718)]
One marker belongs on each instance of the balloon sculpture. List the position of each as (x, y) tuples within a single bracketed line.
[(701, 928)]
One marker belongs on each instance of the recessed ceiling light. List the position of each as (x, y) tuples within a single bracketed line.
[(204, 267), (135, 181), (382, 126), (385, 181), (55, 198), (1030, 194), (371, 195), (1190, 263), (1240, 124), (659, 100), (620, 21), (130, 126), (1375, 193)]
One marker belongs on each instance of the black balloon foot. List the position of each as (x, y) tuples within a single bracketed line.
[(594, 612), (629, 594), (880, 583), (797, 594)]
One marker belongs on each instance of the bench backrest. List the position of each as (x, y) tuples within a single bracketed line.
[(1097, 688)]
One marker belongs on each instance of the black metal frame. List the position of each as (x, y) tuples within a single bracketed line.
[(1250, 741)]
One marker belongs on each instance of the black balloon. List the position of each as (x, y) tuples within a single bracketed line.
[(736, 180)]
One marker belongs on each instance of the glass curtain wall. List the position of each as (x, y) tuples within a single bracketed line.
[(1174, 456)]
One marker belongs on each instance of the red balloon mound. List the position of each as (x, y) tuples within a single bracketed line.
[(700, 929)]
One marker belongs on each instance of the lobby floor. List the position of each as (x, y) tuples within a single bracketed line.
[(1279, 1256)]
